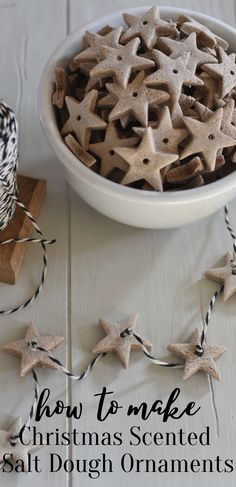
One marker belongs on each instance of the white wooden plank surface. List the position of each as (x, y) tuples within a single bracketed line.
[(118, 270), (27, 38), (101, 268)]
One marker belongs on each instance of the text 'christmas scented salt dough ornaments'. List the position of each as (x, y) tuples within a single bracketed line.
[(174, 77), (114, 342)]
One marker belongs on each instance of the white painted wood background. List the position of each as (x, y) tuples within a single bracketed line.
[(101, 268)]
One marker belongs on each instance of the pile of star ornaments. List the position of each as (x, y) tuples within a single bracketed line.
[(151, 107)]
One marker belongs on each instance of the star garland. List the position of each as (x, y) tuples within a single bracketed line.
[(35, 351)]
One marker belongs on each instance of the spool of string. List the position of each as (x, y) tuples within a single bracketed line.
[(9, 194)]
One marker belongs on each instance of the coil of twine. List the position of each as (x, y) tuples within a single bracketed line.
[(9, 194)]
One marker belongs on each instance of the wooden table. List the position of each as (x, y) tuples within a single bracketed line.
[(101, 268)]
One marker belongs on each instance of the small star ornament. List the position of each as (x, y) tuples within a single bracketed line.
[(225, 275), (145, 161), (173, 73), (105, 150), (33, 358), (205, 35), (207, 138), (225, 71), (121, 62), (95, 42), (149, 27), (194, 362), (116, 343), (166, 137), (188, 45), (16, 452), (135, 99), (82, 118)]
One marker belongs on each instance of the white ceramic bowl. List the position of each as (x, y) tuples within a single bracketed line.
[(144, 209)]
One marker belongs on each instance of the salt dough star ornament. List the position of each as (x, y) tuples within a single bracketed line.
[(207, 138), (105, 150), (30, 358), (173, 73), (225, 71), (225, 275), (95, 42), (115, 343), (82, 118), (205, 35), (194, 363), (121, 62), (145, 162), (135, 99), (17, 451), (149, 27), (166, 137), (188, 45)]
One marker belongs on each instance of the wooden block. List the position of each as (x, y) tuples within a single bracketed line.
[(31, 193)]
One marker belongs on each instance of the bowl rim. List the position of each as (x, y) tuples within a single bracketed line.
[(74, 165)]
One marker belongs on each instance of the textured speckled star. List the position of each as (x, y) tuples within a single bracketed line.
[(194, 363), (205, 35), (135, 99), (115, 343), (225, 70), (145, 162), (165, 136), (95, 42), (149, 27), (121, 62), (172, 73), (188, 45), (225, 275), (105, 150), (207, 138), (18, 451), (30, 358), (83, 118)]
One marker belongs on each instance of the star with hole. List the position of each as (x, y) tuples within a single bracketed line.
[(33, 358), (166, 137), (185, 46), (105, 150), (194, 362), (173, 73), (121, 62), (225, 275), (145, 162), (82, 118), (207, 138), (135, 99), (95, 42), (18, 451), (114, 342), (149, 27), (225, 71)]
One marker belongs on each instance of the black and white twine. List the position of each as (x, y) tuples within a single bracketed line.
[(9, 197)]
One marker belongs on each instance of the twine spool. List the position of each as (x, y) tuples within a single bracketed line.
[(9, 195), (8, 163)]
